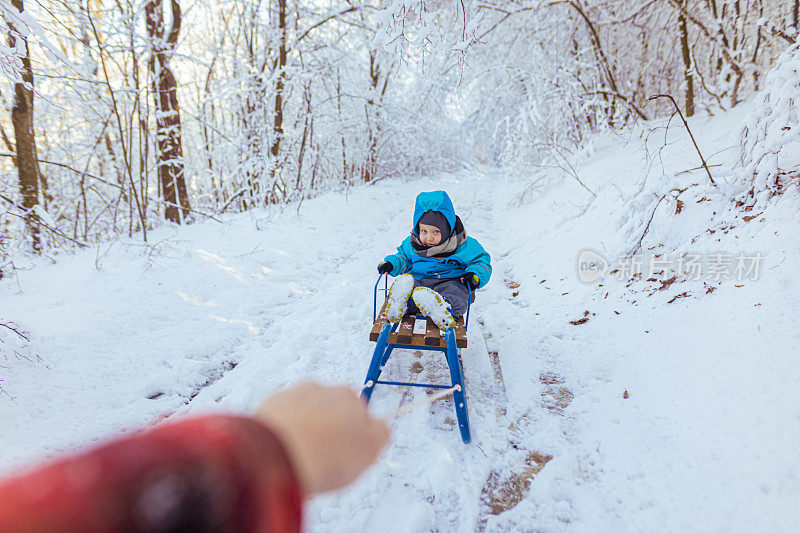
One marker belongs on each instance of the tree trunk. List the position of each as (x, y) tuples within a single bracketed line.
[(341, 123), (602, 59), (279, 86), (373, 111), (25, 142), (687, 63), (169, 152), (309, 123)]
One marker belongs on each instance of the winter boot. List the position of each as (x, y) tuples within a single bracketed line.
[(434, 307), (397, 300)]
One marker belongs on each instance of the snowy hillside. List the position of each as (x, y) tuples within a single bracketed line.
[(663, 401)]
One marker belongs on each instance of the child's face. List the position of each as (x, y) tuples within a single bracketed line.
[(429, 235)]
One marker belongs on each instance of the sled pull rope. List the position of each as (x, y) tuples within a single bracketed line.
[(405, 409)]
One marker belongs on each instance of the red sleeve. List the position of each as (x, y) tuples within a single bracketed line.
[(215, 473)]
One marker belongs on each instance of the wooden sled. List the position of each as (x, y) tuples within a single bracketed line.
[(389, 336)]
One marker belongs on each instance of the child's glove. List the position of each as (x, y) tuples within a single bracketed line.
[(471, 279), (384, 267)]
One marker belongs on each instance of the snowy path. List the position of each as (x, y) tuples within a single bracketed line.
[(216, 316), (223, 314)]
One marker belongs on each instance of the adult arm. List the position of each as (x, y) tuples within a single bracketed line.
[(214, 473)]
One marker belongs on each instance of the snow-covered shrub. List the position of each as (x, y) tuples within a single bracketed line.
[(11, 50), (15, 346), (769, 138), (21, 26), (432, 26)]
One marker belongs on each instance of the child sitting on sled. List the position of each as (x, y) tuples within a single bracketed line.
[(435, 264)]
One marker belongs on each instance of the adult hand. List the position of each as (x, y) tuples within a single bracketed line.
[(329, 434), (471, 279), (384, 267)]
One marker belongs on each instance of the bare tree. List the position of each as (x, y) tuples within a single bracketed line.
[(169, 153), (25, 141), (378, 83), (280, 84), (683, 31)]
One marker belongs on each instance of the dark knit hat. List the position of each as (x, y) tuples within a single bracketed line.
[(435, 218)]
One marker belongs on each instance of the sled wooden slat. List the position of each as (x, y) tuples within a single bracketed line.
[(405, 332), (432, 335), (461, 332), (379, 322), (419, 338)]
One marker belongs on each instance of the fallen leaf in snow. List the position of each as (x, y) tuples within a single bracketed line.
[(579, 322), (684, 294), (667, 282)]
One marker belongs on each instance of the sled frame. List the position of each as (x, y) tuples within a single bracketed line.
[(387, 338)]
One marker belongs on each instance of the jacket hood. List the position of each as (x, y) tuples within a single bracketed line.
[(434, 201)]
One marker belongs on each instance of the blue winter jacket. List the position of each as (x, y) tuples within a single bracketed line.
[(468, 257)]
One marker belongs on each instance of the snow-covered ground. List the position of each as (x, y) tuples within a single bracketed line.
[(666, 410)]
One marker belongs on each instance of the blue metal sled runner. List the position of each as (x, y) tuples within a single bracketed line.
[(389, 336)]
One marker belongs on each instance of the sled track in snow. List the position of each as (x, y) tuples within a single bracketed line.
[(501, 488), (467, 488), (504, 489)]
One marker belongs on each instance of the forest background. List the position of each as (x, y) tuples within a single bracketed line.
[(119, 114)]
